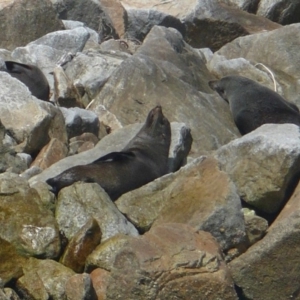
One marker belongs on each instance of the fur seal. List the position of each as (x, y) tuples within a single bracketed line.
[(31, 76), (253, 104), (144, 159)]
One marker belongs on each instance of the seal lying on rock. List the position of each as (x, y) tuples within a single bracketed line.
[(31, 76), (144, 159), (253, 104)]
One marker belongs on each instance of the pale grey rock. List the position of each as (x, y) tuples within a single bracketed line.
[(115, 141), (72, 40), (79, 120), (263, 164), (86, 200), (199, 194), (27, 224), (23, 115), (92, 70)]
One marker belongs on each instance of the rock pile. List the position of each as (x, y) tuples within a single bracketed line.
[(222, 224)]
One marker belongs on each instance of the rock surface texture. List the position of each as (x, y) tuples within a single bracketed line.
[(223, 220)]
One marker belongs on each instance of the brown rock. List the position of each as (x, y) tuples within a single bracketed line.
[(100, 278), (269, 269), (82, 143), (81, 245), (54, 151), (170, 261), (80, 287), (35, 18)]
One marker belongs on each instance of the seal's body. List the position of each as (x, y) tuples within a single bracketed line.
[(253, 104), (144, 159), (31, 76)]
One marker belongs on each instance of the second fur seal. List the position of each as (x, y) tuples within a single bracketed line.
[(253, 104), (144, 159)]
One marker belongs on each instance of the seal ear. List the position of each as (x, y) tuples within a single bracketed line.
[(114, 156)]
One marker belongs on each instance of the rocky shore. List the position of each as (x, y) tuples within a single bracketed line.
[(222, 224)]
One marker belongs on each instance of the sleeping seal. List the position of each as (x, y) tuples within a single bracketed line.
[(253, 104), (31, 76), (144, 159)]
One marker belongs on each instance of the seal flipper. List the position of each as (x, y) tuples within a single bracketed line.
[(14, 67), (114, 156)]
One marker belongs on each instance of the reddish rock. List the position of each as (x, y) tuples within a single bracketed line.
[(100, 280)]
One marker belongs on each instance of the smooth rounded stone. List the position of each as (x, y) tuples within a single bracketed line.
[(34, 17), (72, 40), (100, 280), (80, 287), (54, 151), (11, 263), (263, 164), (43, 279), (115, 141), (284, 43), (161, 263), (256, 228), (272, 261), (199, 194), (32, 171), (81, 245), (86, 200), (27, 224), (85, 141), (92, 70), (79, 120)]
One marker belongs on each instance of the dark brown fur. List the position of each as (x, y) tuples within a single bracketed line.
[(253, 104), (144, 159), (31, 76)]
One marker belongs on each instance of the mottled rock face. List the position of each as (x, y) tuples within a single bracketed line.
[(152, 265)]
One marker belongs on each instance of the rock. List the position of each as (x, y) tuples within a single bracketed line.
[(35, 17), (176, 76), (26, 224), (54, 151), (43, 279), (283, 43), (199, 195), (80, 287), (11, 263), (81, 245), (65, 93), (140, 22), (86, 200), (100, 280), (213, 24), (28, 120), (79, 121), (267, 270), (256, 227), (8, 294), (283, 12), (161, 263), (263, 164), (84, 142), (116, 141)]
